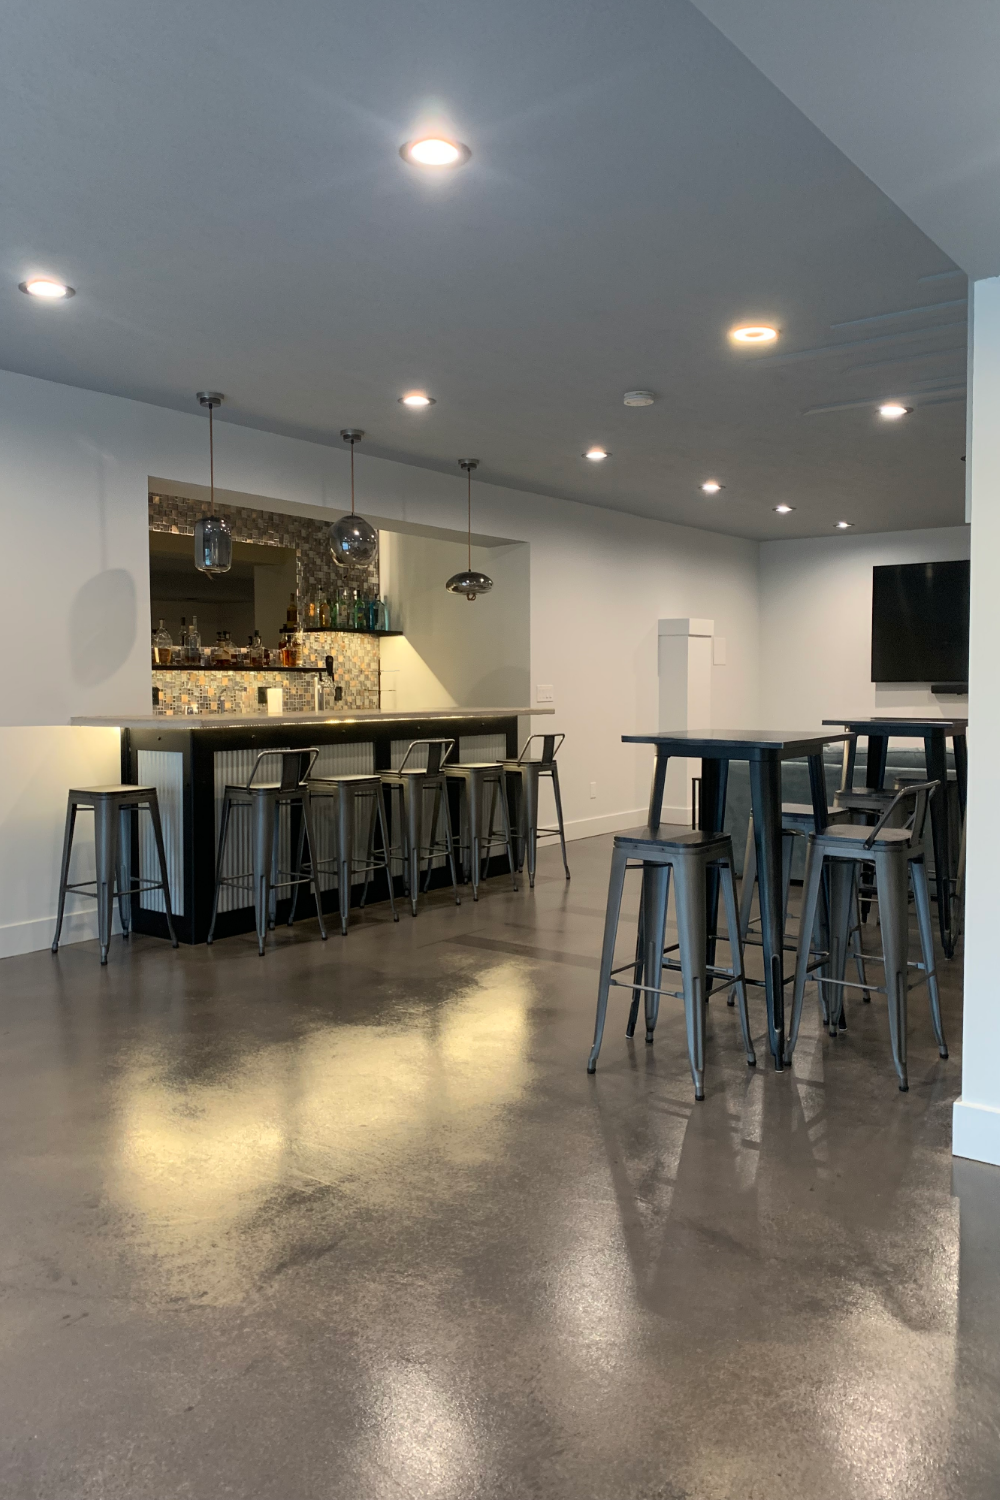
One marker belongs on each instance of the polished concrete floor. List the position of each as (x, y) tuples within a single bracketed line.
[(353, 1221)]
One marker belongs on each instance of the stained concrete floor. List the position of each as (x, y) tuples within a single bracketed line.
[(353, 1221)]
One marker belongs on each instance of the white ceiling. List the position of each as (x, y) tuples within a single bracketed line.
[(222, 185), (907, 89)]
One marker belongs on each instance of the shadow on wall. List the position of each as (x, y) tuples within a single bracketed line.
[(102, 626)]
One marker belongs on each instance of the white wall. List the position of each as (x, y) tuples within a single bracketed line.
[(74, 467), (476, 654), (977, 1113), (815, 622)]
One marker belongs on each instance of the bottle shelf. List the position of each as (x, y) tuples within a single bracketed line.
[(343, 630), (236, 667)]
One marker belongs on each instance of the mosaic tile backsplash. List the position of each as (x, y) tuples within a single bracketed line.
[(318, 576), (202, 691)]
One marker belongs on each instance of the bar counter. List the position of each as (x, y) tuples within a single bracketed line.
[(190, 759)]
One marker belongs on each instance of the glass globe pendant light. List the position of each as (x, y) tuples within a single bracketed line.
[(352, 540), (469, 582), (213, 540)]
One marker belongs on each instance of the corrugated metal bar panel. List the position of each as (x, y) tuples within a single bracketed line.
[(163, 769)]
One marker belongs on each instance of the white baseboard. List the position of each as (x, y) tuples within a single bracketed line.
[(976, 1132), (36, 934), (588, 828)]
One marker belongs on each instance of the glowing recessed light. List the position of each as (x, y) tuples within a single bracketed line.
[(844, 525), (41, 286), (596, 454), (755, 333), (416, 398), (784, 510), (435, 151), (712, 486), (892, 411)]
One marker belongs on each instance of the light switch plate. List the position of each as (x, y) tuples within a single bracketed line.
[(544, 693)]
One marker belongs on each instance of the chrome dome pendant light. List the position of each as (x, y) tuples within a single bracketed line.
[(469, 583), (213, 540), (352, 539)]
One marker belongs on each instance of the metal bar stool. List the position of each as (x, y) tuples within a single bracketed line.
[(525, 776), (899, 857), (690, 854), (347, 792), (413, 782), (265, 799), (112, 807), (475, 778)]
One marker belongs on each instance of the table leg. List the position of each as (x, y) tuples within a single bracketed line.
[(961, 750), (817, 787), (850, 757), (765, 802), (937, 770), (656, 790), (712, 817), (878, 749)]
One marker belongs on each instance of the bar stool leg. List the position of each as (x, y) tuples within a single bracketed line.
[(161, 854), (736, 957), (692, 927), (412, 798), (122, 868), (616, 885), (307, 819), (384, 826), (435, 822), (893, 902), (749, 881), (345, 854), (531, 821), (559, 816), (922, 901), (473, 791), (508, 836), (449, 844), (272, 894), (640, 948), (655, 892), (263, 859), (105, 859), (841, 876), (227, 808), (812, 884), (64, 869)]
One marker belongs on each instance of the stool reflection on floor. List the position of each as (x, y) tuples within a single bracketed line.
[(689, 854)]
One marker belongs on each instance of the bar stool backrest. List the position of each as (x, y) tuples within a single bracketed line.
[(551, 745), (437, 752), (920, 795), (296, 767)]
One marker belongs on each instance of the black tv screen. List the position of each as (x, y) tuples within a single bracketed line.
[(920, 622)]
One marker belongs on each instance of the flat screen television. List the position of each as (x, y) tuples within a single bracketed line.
[(920, 622)]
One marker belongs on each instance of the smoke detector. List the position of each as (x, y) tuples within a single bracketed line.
[(639, 398)]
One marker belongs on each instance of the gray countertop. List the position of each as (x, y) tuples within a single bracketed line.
[(341, 716)]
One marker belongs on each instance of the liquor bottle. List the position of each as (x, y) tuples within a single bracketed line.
[(256, 650), (324, 614), (184, 636), (222, 651), (192, 654), (162, 647)]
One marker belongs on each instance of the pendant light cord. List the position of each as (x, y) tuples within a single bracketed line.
[(352, 476), (211, 463), (469, 473)]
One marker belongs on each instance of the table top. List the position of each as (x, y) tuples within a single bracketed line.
[(740, 744), (328, 716), (905, 728)]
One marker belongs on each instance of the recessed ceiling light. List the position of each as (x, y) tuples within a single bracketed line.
[(416, 398), (784, 510), (755, 333), (41, 286), (639, 398), (435, 151), (892, 411), (712, 486), (844, 525), (596, 454)]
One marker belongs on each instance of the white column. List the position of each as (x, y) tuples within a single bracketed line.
[(977, 1113), (685, 673)]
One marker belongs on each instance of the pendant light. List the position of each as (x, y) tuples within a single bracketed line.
[(469, 583), (213, 540), (352, 539)]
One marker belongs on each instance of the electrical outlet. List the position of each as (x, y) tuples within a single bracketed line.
[(593, 788), (544, 693)]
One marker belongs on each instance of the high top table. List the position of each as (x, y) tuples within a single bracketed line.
[(935, 733), (765, 749)]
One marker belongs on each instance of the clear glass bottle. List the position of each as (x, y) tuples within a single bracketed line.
[(385, 616), (192, 652), (162, 646)]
